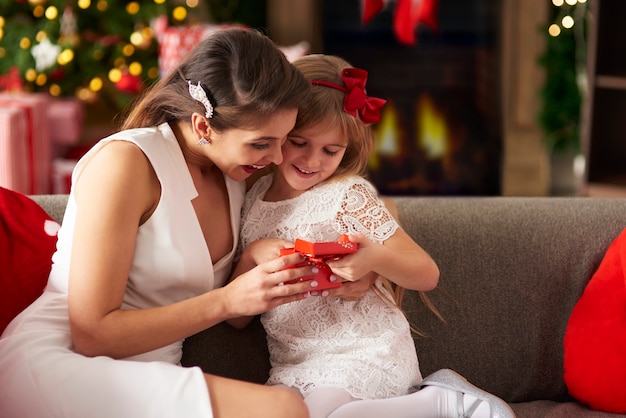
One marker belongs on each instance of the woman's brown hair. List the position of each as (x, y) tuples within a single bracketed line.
[(245, 76)]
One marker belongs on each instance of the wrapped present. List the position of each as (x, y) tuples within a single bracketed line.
[(62, 175), (37, 137), (316, 255), (332, 250), (175, 42), (66, 117), (14, 167), (63, 166)]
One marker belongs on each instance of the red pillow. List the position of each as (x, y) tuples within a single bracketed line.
[(595, 337), (28, 237)]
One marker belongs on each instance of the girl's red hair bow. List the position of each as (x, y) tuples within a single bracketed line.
[(356, 100)]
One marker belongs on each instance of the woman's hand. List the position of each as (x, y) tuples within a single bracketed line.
[(354, 271), (263, 287)]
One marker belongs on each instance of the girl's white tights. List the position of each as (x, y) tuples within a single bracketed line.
[(428, 402)]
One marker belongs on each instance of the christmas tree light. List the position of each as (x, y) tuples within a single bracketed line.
[(88, 49)]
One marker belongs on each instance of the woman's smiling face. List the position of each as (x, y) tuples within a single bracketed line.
[(241, 152)]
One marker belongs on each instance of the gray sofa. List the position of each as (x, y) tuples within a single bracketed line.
[(511, 271)]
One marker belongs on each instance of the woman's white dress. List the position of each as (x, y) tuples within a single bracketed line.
[(364, 347), (40, 374)]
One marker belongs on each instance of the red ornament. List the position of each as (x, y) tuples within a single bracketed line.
[(57, 74), (129, 83), (12, 81)]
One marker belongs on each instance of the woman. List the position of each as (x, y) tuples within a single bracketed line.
[(147, 243)]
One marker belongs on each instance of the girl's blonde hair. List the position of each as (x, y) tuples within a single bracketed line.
[(326, 108)]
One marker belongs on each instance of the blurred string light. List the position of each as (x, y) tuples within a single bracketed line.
[(567, 16), (570, 17), (565, 86)]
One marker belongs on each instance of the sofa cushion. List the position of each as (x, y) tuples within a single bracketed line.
[(595, 337), (225, 351), (28, 238)]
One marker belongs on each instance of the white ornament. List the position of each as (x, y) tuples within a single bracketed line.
[(45, 54)]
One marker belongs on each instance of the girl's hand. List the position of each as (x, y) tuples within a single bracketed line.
[(353, 267), (263, 287), (353, 290), (264, 250)]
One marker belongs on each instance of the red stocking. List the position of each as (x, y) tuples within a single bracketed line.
[(370, 9), (409, 14)]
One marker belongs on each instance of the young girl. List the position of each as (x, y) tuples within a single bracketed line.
[(332, 351)]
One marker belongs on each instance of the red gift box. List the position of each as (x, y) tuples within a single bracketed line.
[(14, 172), (316, 254), (37, 138), (326, 250)]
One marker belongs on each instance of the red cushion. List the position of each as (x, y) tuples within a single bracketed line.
[(595, 337), (28, 237)]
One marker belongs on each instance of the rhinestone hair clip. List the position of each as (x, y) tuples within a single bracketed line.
[(198, 93)]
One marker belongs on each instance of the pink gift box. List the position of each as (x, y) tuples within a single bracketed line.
[(175, 42), (62, 175), (66, 117), (14, 167), (37, 137)]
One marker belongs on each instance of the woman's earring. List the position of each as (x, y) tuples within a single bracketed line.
[(205, 141)]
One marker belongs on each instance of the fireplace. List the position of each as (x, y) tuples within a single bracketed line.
[(441, 131)]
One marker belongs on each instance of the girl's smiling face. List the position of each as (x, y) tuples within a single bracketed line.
[(310, 156)]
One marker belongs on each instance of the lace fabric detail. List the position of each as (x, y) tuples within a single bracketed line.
[(323, 213), (364, 346)]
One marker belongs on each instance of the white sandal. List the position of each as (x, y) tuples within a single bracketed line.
[(449, 379)]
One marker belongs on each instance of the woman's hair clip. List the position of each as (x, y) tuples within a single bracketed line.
[(356, 102), (198, 93)]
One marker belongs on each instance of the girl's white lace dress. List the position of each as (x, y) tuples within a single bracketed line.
[(364, 347)]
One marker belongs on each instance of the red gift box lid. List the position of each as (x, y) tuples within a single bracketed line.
[(320, 249)]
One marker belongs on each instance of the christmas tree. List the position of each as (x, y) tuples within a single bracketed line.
[(89, 49)]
